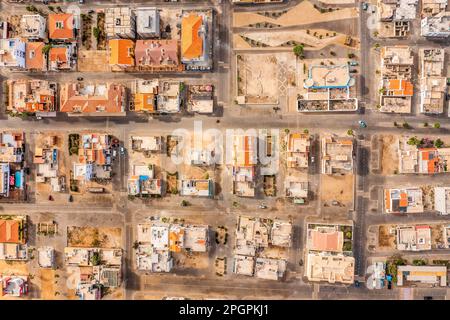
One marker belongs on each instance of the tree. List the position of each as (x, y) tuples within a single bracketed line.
[(96, 32), (46, 48), (425, 124), (298, 50), (406, 125), (351, 55), (437, 125), (413, 141), (306, 131), (95, 259), (350, 132), (438, 143)]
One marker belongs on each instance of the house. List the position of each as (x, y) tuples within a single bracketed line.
[(297, 150), (200, 98), (244, 265), (14, 285), (120, 22), (413, 238), (395, 17), (270, 269), (31, 96), (157, 55), (46, 257), (337, 155), (244, 151), (403, 200), (328, 89), (148, 23), (325, 238), (430, 276), (298, 190), (331, 268), (146, 144), (36, 59), (196, 37), (121, 53), (62, 57), (196, 238), (143, 182), (88, 291), (61, 26), (281, 233), (433, 84), (433, 7), (94, 99), (94, 157), (437, 26), (197, 187), (11, 163), (244, 181), (13, 238), (13, 53), (34, 26), (442, 200)]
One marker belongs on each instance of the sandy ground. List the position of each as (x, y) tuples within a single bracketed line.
[(13, 267), (386, 241), (102, 237), (93, 61), (276, 38), (301, 14), (191, 261), (47, 284), (339, 188), (389, 155)]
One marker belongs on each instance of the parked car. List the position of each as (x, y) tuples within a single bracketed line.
[(70, 198), (365, 6), (122, 150), (80, 78)]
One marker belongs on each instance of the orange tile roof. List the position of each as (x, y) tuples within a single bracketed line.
[(34, 57), (144, 102), (326, 241), (401, 87), (191, 42), (65, 31), (9, 231), (403, 199), (58, 54), (121, 52)]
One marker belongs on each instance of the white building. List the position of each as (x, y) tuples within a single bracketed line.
[(442, 200), (437, 26), (12, 53), (120, 22), (33, 26), (147, 23)]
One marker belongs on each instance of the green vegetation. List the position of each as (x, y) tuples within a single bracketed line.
[(46, 48), (185, 203), (438, 143), (437, 125), (350, 132), (305, 131), (419, 262), (96, 32), (299, 50), (392, 265), (425, 124), (347, 246), (95, 259), (406, 125), (413, 141), (74, 142)]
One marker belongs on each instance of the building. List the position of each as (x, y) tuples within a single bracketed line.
[(244, 181), (46, 160), (395, 17), (13, 238), (196, 39), (87, 291), (14, 286), (337, 155), (147, 23), (85, 257), (11, 163), (120, 22), (12, 54), (142, 181), (404, 200), (433, 84), (244, 150), (329, 88), (437, 26), (157, 56), (31, 96), (158, 240), (433, 7), (36, 59), (200, 98), (256, 1), (433, 276), (61, 26), (442, 200), (94, 157), (281, 233), (331, 268), (378, 275), (251, 234), (147, 144), (34, 26), (413, 238), (46, 257), (197, 187), (425, 160), (324, 238), (297, 150), (156, 96), (298, 190), (95, 99), (396, 87), (121, 53), (62, 57), (270, 269), (244, 265)]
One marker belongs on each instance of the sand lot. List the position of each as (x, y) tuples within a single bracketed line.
[(389, 155), (47, 284), (195, 260), (337, 188), (93, 61), (94, 237)]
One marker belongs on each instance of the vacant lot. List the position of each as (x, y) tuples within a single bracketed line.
[(386, 240), (93, 61), (94, 237), (47, 284), (389, 155), (337, 188)]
